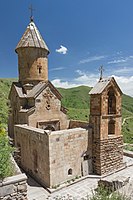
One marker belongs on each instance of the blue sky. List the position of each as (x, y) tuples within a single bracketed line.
[(82, 35)]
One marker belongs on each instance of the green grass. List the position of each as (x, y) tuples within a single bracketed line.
[(128, 147), (5, 85), (6, 166), (127, 130), (78, 114), (127, 103), (77, 97)]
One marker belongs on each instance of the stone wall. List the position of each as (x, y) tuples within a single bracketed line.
[(53, 157), (34, 152), (76, 124), (107, 155), (68, 151), (13, 188)]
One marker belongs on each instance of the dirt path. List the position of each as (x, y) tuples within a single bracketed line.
[(124, 120)]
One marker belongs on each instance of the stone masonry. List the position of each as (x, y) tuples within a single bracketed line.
[(13, 188), (110, 154)]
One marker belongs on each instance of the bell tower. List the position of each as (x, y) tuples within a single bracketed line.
[(32, 56), (105, 119)]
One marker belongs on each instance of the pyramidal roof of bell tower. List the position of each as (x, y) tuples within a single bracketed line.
[(32, 38)]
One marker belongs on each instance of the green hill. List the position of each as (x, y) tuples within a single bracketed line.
[(5, 85), (76, 100)]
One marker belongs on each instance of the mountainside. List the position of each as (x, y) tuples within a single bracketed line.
[(5, 85), (76, 100)]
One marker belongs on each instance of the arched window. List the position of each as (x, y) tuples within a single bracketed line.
[(70, 171), (111, 127), (111, 102)]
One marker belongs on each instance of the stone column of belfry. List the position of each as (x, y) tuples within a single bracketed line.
[(32, 56)]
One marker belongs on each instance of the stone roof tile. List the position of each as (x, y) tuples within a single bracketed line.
[(32, 38), (100, 86), (37, 89), (19, 89)]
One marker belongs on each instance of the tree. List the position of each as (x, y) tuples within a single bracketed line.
[(6, 168)]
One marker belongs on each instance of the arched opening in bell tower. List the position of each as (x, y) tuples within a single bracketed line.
[(111, 102), (111, 127)]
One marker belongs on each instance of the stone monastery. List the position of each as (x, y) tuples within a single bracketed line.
[(54, 149)]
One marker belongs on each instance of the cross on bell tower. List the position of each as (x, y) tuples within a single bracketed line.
[(31, 11), (101, 69)]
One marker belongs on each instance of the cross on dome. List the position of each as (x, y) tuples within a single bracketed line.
[(31, 10)]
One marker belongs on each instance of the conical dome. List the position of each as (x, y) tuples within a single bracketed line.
[(32, 38)]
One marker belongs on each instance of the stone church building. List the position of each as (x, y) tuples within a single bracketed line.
[(54, 149)]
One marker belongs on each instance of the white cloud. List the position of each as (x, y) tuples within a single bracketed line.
[(63, 84), (119, 52), (62, 50), (80, 72), (124, 70), (117, 61), (91, 59), (86, 79), (82, 79), (57, 69), (125, 83), (121, 60)]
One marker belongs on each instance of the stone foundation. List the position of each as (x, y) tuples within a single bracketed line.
[(107, 155)]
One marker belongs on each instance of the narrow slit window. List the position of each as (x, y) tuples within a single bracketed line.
[(39, 67), (40, 70)]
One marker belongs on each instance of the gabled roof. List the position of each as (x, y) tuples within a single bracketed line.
[(40, 87), (32, 38), (37, 89), (18, 88), (102, 84)]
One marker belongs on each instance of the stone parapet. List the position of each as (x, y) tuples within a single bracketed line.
[(14, 187)]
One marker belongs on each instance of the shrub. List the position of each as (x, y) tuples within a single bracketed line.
[(103, 194), (6, 168)]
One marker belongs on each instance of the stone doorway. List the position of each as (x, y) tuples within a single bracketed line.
[(86, 165)]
